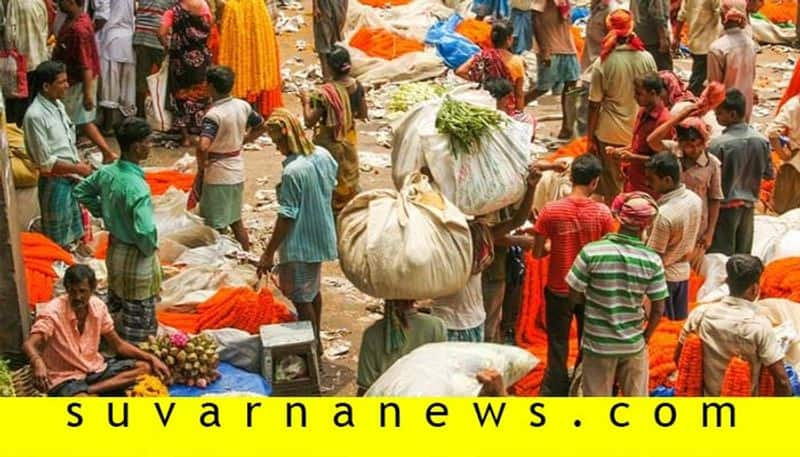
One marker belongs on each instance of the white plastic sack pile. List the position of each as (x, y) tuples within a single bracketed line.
[(238, 348), (777, 237), (213, 255), (714, 287), (478, 183), (785, 315), (197, 284), (403, 245), (449, 370), (171, 214)]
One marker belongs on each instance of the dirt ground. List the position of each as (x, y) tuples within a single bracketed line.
[(345, 310)]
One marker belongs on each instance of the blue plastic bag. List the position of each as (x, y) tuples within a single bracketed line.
[(794, 380), (232, 380), (452, 47), (662, 391), (578, 13)]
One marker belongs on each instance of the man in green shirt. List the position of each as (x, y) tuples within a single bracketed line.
[(119, 194), (401, 330), (610, 278)]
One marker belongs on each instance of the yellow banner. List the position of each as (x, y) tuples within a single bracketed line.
[(172, 427)]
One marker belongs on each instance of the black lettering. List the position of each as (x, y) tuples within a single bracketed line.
[(442, 411), (489, 410), (165, 419), (73, 410), (534, 409), (250, 408), (124, 421), (672, 412), (396, 409), (613, 415), (348, 413), (213, 412), (289, 408), (718, 407)]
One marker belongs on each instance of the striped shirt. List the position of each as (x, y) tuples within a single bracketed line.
[(148, 21), (615, 274), (304, 196), (674, 232)]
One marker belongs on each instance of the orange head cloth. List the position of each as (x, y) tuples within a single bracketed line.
[(620, 25), (734, 11), (793, 88)]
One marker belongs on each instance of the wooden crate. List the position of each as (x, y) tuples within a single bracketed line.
[(291, 339)]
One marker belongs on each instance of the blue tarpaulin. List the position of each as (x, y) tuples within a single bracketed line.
[(233, 380)]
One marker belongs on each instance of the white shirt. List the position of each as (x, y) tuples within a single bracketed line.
[(115, 39), (464, 310), (26, 30)]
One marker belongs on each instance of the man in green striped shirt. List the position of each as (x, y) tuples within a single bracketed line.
[(611, 278)]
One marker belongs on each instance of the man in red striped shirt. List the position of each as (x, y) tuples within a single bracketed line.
[(569, 224)]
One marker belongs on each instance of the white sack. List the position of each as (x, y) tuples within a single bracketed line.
[(394, 245), (449, 370)]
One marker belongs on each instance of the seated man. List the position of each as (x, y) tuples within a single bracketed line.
[(65, 339), (734, 327)]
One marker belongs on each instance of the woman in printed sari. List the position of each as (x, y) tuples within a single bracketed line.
[(499, 63), (331, 111), (184, 32)]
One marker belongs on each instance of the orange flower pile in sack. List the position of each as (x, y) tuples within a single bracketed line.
[(578, 39), (574, 148), (161, 181), (384, 3), (248, 46), (781, 279), (101, 246), (690, 368), (779, 11), (478, 32), (38, 255), (383, 43), (237, 307), (737, 381)]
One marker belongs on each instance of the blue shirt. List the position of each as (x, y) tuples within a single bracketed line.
[(304, 196), (745, 157)]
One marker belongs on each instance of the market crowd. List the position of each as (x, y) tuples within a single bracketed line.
[(672, 171)]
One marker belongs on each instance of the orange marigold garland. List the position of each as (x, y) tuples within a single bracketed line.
[(690, 368), (766, 384), (737, 381), (781, 279)]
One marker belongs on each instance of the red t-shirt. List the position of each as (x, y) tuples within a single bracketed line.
[(570, 223), (646, 123), (77, 49)]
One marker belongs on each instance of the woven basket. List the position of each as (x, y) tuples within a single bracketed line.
[(23, 383)]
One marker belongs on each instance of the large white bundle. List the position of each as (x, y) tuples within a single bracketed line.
[(411, 67), (784, 314), (412, 244), (197, 284), (171, 214), (713, 270), (449, 370), (478, 183)]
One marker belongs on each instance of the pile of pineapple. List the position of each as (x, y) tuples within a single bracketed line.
[(192, 360)]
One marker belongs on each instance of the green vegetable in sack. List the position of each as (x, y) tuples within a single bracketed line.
[(408, 95), (466, 124), (6, 383)]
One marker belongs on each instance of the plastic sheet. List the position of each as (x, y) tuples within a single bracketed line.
[(233, 381)]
